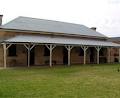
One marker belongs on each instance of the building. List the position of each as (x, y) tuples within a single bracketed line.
[(28, 41), (114, 51)]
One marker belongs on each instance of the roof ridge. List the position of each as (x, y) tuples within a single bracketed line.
[(51, 20)]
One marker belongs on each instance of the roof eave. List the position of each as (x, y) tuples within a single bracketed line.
[(51, 33)]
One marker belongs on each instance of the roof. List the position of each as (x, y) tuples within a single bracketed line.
[(42, 25), (58, 40)]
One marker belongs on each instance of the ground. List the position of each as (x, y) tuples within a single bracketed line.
[(81, 81)]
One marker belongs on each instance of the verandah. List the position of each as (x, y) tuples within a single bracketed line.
[(51, 48)]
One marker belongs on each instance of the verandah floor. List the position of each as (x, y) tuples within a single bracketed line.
[(85, 81)]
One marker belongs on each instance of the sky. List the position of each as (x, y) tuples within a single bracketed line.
[(103, 14)]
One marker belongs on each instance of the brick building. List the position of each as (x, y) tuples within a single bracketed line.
[(29, 41)]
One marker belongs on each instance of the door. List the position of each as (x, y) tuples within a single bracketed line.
[(65, 56), (92, 55), (32, 57)]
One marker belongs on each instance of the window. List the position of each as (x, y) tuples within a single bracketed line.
[(81, 52), (12, 50), (46, 52)]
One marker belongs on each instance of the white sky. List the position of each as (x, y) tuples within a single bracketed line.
[(103, 14)]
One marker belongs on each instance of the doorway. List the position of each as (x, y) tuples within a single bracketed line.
[(92, 54), (65, 56), (32, 57)]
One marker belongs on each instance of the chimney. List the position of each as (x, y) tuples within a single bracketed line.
[(93, 28), (1, 16)]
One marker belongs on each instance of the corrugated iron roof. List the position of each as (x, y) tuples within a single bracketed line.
[(59, 40), (33, 24)]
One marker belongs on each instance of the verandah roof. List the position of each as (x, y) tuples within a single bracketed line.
[(58, 40)]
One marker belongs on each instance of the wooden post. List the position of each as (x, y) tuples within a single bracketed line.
[(50, 47), (29, 48), (84, 49), (50, 55), (69, 53), (98, 57), (119, 55), (84, 57), (98, 50), (4, 49), (109, 55), (69, 60), (28, 54)]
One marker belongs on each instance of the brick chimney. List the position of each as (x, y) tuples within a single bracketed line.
[(1, 16), (93, 28)]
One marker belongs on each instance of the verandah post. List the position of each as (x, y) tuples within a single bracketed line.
[(84, 49), (29, 48), (98, 56), (4, 49), (98, 52), (50, 55), (50, 47), (119, 55), (69, 53), (69, 57)]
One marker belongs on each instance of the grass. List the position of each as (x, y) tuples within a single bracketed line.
[(86, 81)]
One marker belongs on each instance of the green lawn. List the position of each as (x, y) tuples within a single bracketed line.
[(85, 81)]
